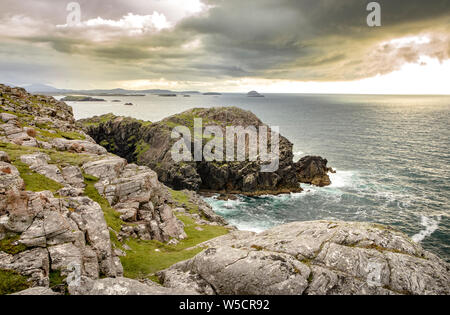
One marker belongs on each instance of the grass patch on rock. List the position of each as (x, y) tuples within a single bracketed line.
[(148, 257), (11, 282), (10, 244), (35, 181), (181, 199)]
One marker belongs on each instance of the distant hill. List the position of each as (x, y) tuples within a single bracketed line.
[(47, 89), (36, 88)]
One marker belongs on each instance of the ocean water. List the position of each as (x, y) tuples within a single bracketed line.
[(391, 153)]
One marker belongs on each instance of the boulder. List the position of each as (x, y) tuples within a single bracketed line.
[(9, 179), (5, 117), (78, 146), (109, 168), (317, 257), (33, 263), (4, 157), (313, 170)]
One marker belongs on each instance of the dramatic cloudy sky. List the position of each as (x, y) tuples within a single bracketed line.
[(229, 45)]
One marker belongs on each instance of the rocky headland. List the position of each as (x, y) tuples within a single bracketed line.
[(150, 144), (254, 94), (77, 219), (72, 98)]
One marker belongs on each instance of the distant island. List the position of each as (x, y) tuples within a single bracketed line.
[(167, 95), (72, 98), (117, 94), (129, 104), (212, 93), (254, 94)]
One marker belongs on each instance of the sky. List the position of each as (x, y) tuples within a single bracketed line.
[(272, 46)]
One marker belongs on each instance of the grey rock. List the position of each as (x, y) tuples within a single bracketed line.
[(37, 291), (33, 263), (78, 146), (73, 176), (4, 157), (64, 257), (317, 257), (123, 286), (70, 191), (10, 178), (6, 117), (105, 169), (38, 162), (92, 222)]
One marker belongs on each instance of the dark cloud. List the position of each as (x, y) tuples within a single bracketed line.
[(321, 40)]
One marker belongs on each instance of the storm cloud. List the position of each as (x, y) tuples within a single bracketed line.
[(213, 40)]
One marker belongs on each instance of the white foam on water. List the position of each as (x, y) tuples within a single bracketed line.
[(342, 179), (430, 225), (298, 154)]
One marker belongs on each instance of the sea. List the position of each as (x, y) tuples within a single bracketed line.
[(391, 153)]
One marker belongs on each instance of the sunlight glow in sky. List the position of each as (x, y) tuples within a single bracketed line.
[(427, 77)]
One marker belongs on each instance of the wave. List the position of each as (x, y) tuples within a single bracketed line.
[(298, 155), (430, 225), (343, 179)]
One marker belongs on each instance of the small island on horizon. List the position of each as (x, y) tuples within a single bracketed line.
[(254, 94)]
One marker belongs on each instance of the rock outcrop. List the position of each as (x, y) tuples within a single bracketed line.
[(319, 257), (150, 144), (254, 94), (313, 170), (67, 206)]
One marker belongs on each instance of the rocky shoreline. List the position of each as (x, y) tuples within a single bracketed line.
[(150, 144), (77, 219)]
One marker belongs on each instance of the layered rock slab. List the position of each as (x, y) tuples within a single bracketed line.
[(318, 257)]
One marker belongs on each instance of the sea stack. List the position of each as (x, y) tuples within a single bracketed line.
[(254, 94)]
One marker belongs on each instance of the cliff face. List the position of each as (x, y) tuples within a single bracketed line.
[(150, 144), (68, 208)]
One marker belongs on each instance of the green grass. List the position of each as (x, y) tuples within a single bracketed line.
[(76, 159), (56, 279), (141, 148), (182, 200), (35, 181), (15, 151), (8, 244), (11, 282), (69, 135), (142, 261), (97, 120), (112, 217), (56, 157)]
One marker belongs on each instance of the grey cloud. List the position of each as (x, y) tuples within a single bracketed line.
[(323, 40)]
